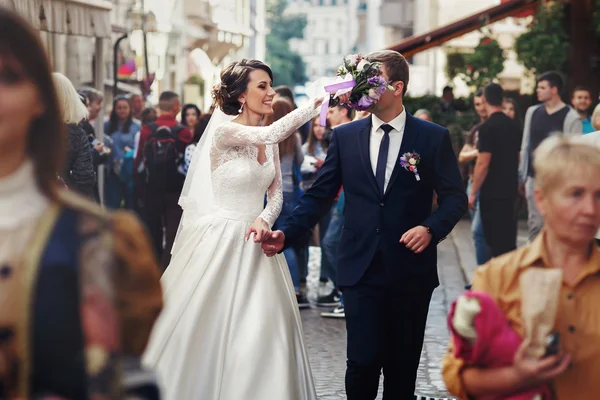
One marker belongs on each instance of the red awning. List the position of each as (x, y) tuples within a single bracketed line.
[(509, 8)]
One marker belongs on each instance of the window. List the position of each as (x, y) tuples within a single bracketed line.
[(320, 47)]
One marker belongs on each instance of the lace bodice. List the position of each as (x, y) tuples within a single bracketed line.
[(239, 181)]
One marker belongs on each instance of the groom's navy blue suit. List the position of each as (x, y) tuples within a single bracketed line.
[(387, 287)]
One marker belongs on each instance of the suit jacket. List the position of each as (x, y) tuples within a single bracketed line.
[(377, 222)]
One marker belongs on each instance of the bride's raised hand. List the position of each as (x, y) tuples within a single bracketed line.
[(319, 100), (260, 229)]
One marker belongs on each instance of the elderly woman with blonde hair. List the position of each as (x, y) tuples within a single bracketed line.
[(596, 118), (78, 174), (567, 194)]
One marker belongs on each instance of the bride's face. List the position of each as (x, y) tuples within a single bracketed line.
[(259, 96)]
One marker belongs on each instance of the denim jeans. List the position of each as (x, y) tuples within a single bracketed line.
[(483, 253), (118, 192), (323, 227), (329, 246), (289, 203)]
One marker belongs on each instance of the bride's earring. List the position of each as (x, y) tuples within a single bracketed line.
[(241, 109)]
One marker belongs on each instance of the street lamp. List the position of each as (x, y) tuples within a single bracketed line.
[(136, 20)]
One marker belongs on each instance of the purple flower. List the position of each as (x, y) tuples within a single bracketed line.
[(376, 81), (364, 103)]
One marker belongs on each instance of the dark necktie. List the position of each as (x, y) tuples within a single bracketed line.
[(383, 157)]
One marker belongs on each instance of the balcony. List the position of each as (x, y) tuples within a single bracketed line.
[(199, 12), (397, 14)]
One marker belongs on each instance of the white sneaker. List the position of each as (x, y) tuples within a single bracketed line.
[(337, 312)]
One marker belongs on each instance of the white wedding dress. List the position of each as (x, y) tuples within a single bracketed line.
[(230, 328)]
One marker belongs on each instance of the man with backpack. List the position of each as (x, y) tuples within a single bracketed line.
[(159, 158)]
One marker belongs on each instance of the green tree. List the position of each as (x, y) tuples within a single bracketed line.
[(479, 68), (545, 46), (287, 65)]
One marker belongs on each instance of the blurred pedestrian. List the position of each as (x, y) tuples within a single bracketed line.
[(149, 115), (79, 288), (581, 100), (121, 131), (79, 173), (511, 109), (138, 104), (315, 151), (94, 99), (286, 92), (423, 114), (495, 177), (541, 121), (160, 158), (190, 116), (467, 159), (198, 132)]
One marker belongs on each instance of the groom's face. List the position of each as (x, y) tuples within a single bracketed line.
[(389, 98)]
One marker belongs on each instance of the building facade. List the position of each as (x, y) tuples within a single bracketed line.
[(330, 34), (234, 29), (428, 67)]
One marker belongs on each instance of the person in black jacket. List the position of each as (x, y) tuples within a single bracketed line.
[(93, 99), (78, 174)]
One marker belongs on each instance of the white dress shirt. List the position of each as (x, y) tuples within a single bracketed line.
[(396, 135)]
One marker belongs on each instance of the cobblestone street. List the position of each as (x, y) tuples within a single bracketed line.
[(326, 338)]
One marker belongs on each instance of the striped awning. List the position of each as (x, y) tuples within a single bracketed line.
[(70, 17)]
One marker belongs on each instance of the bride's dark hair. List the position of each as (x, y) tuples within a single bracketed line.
[(234, 82)]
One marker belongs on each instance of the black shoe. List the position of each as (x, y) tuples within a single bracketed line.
[(331, 300), (302, 301), (337, 312)]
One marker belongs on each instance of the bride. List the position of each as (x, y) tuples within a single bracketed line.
[(230, 329)]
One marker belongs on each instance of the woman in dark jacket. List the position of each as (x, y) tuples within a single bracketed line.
[(79, 174)]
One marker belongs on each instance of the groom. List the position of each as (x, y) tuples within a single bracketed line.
[(387, 252)]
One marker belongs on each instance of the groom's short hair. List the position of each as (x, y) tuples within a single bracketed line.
[(395, 64)]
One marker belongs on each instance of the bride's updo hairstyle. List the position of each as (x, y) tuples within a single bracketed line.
[(234, 83)]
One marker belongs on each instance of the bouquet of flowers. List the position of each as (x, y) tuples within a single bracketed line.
[(368, 86)]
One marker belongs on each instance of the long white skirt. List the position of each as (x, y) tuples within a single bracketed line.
[(230, 328)]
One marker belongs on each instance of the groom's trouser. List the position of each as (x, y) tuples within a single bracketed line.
[(385, 328)]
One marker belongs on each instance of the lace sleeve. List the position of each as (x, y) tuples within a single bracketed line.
[(231, 134), (274, 193)]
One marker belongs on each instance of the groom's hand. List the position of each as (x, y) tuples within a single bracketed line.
[(416, 239), (273, 243)]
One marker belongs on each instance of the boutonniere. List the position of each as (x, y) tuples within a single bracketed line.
[(409, 162)]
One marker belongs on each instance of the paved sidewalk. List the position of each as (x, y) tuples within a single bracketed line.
[(462, 239), (326, 338)]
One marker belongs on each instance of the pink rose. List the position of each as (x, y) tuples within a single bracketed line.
[(411, 168)]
